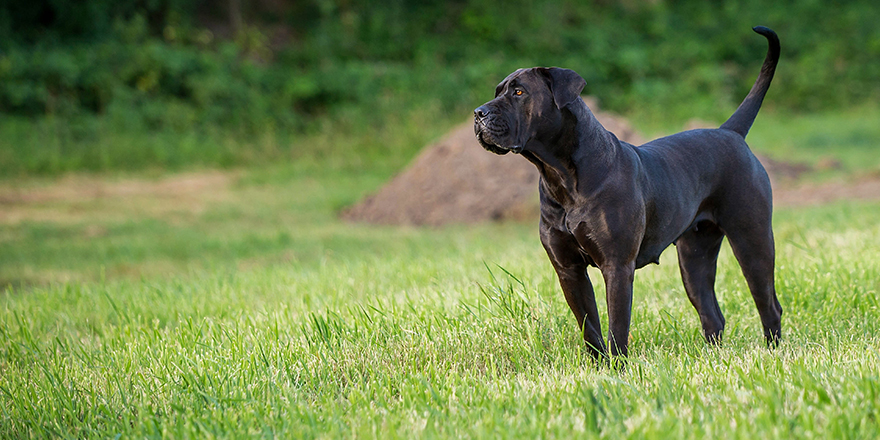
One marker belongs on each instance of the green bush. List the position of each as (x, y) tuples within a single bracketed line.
[(157, 68)]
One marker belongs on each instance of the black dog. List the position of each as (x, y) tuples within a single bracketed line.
[(614, 206)]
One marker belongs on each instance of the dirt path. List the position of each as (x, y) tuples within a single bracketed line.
[(75, 199), (867, 188), (81, 198)]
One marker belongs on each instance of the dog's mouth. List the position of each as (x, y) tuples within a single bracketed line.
[(487, 136), (490, 146)]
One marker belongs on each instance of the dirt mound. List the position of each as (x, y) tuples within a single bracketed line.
[(457, 181), (452, 181), (865, 188)]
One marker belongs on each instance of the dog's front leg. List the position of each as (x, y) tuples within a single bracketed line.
[(578, 291), (571, 268), (618, 294)]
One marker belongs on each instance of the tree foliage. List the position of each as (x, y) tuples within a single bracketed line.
[(253, 65)]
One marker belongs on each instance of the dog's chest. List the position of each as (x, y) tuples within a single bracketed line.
[(598, 241), (578, 234)]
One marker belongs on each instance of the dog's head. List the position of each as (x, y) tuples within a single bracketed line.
[(528, 105)]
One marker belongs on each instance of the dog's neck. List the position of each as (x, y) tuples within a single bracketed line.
[(579, 156)]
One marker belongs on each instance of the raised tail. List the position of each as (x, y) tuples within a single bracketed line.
[(742, 119)]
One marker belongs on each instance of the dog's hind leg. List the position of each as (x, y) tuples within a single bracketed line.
[(752, 244), (697, 258)]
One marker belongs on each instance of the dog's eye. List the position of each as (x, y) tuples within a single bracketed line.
[(518, 92)]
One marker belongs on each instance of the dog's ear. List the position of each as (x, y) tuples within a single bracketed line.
[(565, 84), (500, 87)]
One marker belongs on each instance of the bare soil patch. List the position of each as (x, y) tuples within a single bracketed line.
[(79, 198), (866, 188)]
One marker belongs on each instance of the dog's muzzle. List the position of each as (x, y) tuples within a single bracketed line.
[(490, 129)]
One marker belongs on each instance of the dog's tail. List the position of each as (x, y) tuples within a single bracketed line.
[(742, 119)]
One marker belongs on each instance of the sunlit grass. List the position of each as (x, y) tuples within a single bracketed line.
[(345, 330), (251, 310)]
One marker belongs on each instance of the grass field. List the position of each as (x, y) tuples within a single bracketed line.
[(246, 309)]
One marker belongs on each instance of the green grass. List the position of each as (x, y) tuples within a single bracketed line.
[(251, 311), (105, 144), (54, 146), (264, 316)]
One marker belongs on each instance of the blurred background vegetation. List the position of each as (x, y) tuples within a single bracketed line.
[(104, 85)]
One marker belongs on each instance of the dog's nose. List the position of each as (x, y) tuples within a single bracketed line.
[(481, 112)]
